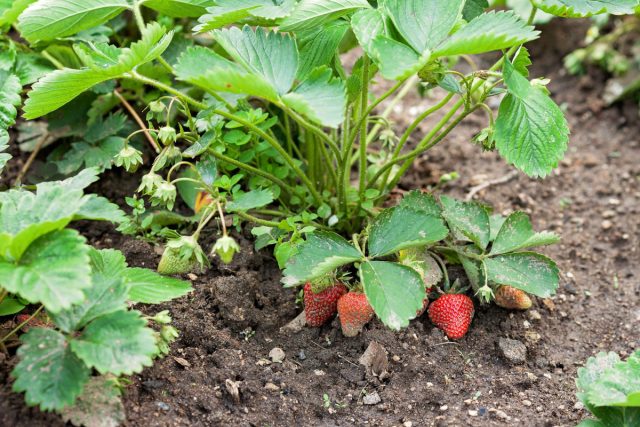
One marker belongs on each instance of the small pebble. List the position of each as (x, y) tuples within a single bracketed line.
[(473, 413), (371, 398), (271, 387), (606, 224), (513, 350), (527, 402), (444, 408), (302, 355), (163, 406), (277, 355)]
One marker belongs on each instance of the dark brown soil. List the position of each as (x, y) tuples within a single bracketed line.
[(232, 320)]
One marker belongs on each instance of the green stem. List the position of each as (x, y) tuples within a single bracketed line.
[(257, 220), (364, 101), (134, 75), (252, 170), (3, 294), (347, 143), (137, 13), (410, 83), (17, 328), (313, 129)]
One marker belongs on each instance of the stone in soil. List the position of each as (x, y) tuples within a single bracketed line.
[(513, 350)]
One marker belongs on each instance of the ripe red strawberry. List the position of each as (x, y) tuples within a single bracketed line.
[(453, 314), (319, 307), (512, 298), (355, 312)]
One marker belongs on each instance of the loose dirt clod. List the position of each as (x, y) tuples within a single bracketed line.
[(375, 360), (513, 350), (277, 355)]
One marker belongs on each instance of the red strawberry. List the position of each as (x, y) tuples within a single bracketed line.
[(453, 314), (319, 307), (355, 312), (512, 298)]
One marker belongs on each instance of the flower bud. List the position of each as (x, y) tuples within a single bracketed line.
[(129, 158), (225, 247), (164, 193), (167, 135), (163, 317), (149, 183)]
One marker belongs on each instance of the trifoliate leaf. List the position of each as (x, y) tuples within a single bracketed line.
[(53, 271), (517, 233), (586, 8), (320, 254), (117, 343), (529, 271), (149, 287), (51, 19), (61, 86), (401, 228), (309, 14), (99, 405), (469, 218), (488, 32), (320, 97), (51, 376), (108, 292), (396, 292), (531, 130)]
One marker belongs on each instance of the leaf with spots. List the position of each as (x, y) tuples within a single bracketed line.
[(469, 218), (517, 233), (529, 271)]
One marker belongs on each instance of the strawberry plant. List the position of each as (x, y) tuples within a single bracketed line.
[(610, 389)]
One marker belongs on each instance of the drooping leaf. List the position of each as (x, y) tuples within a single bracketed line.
[(117, 343), (488, 32), (320, 254), (272, 55), (401, 228), (180, 8), (517, 233), (107, 293), (531, 130), (424, 23), (51, 19), (250, 200), (469, 218), (227, 12), (529, 271), (100, 209), (148, 287), (99, 405), (61, 86), (473, 8), (310, 14), (51, 376), (586, 8), (318, 47), (396, 292), (320, 97), (53, 271)]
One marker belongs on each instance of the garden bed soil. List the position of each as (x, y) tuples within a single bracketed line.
[(219, 372)]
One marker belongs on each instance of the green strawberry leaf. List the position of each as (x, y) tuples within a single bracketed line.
[(4, 144), (318, 47), (107, 293), (53, 271), (396, 60), (396, 292), (367, 24), (179, 8), (320, 97), (61, 86), (488, 32), (51, 19), (532, 272), (226, 12), (149, 287), (10, 306), (319, 255), (517, 233), (469, 218), (309, 14), (424, 23), (10, 89), (402, 228), (100, 209), (16, 7), (250, 200), (98, 405), (117, 343), (271, 55), (474, 8), (618, 386), (522, 61), (586, 8), (531, 130), (421, 202), (48, 372)]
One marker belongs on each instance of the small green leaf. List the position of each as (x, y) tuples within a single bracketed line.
[(517, 233), (250, 200), (320, 254), (51, 19), (53, 271), (424, 23), (401, 228), (529, 271), (10, 306), (272, 55), (488, 32), (179, 8), (149, 287), (99, 405), (310, 14), (117, 343), (586, 8), (531, 130), (396, 292), (320, 97), (49, 373), (469, 218)]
